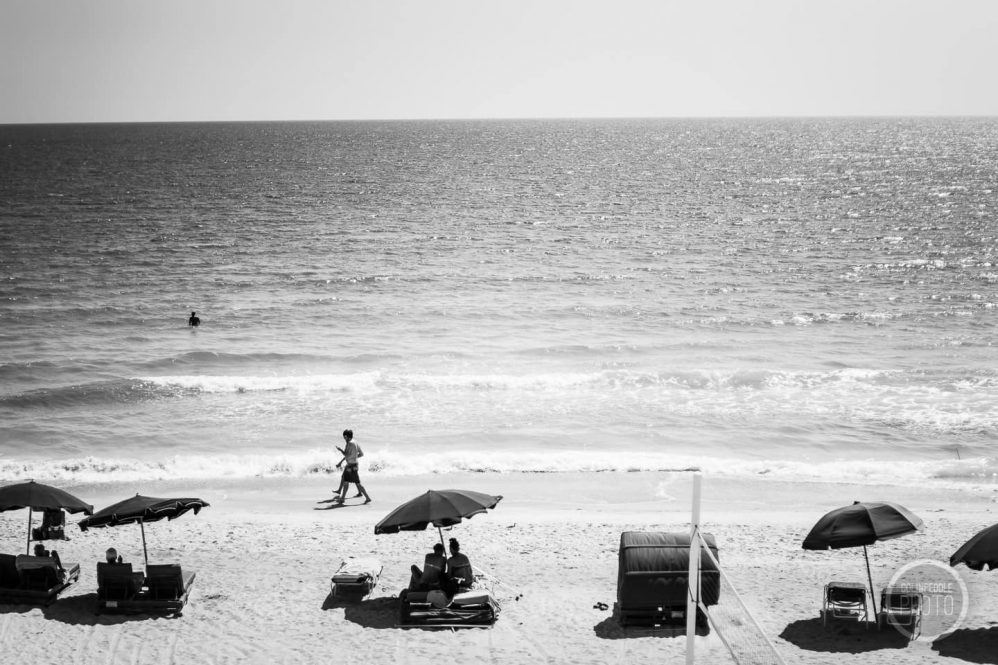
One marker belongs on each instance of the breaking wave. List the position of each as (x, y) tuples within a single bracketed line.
[(391, 464)]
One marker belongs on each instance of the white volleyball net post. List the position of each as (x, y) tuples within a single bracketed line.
[(693, 573), (731, 619)]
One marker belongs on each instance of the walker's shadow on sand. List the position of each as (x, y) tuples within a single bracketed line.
[(370, 613), (81, 610), (979, 645), (332, 504), (812, 635)]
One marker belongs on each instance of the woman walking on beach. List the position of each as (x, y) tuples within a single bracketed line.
[(351, 474)]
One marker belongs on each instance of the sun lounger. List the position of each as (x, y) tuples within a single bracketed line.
[(652, 573), (116, 583), (846, 601), (902, 608), (355, 578), (164, 589), (9, 577), (53, 526), (34, 580), (169, 584), (477, 608)]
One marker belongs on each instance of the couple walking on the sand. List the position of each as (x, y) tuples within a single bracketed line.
[(351, 473)]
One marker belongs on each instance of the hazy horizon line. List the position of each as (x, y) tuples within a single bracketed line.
[(871, 116)]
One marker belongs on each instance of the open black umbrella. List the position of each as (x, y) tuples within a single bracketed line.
[(862, 524), (979, 551), (142, 509), (439, 508), (37, 496)]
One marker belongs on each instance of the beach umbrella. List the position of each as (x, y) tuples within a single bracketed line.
[(862, 524), (979, 551), (37, 496), (437, 507), (142, 509)]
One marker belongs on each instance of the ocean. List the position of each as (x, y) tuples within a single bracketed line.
[(796, 298)]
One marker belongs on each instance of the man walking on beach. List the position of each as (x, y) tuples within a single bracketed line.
[(351, 474)]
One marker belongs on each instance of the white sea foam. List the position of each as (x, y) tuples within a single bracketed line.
[(694, 379), (384, 466), (240, 384), (913, 402)]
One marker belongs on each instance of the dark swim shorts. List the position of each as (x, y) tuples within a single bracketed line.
[(351, 474)]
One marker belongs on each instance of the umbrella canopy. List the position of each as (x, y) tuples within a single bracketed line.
[(862, 523), (979, 551), (859, 525), (439, 508), (142, 509), (37, 496)]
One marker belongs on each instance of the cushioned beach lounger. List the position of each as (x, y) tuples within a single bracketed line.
[(476, 608), (355, 578), (902, 608), (34, 580), (116, 583), (9, 577), (164, 589), (40, 576), (169, 583), (53, 526), (652, 573), (845, 600)]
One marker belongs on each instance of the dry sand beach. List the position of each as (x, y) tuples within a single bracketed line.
[(264, 556)]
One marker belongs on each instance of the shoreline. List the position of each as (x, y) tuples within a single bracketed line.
[(264, 557)]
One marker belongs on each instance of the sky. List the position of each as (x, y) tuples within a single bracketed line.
[(218, 60)]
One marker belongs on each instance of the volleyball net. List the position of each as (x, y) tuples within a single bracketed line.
[(731, 619)]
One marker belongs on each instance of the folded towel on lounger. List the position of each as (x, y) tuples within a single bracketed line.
[(357, 570)]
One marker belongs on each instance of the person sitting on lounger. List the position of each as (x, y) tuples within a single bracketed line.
[(433, 573), (53, 523), (112, 556), (40, 551), (459, 567)]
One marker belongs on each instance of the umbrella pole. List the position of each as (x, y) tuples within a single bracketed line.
[(145, 552), (441, 532), (869, 577), (27, 547)]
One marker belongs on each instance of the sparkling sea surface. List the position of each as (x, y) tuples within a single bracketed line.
[(805, 297)]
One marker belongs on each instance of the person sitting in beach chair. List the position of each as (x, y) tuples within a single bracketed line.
[(41, 577), (41, 571), (459, 567), (448, 605), (433, 573), (40, 551), (52, 527), (117, 581)]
